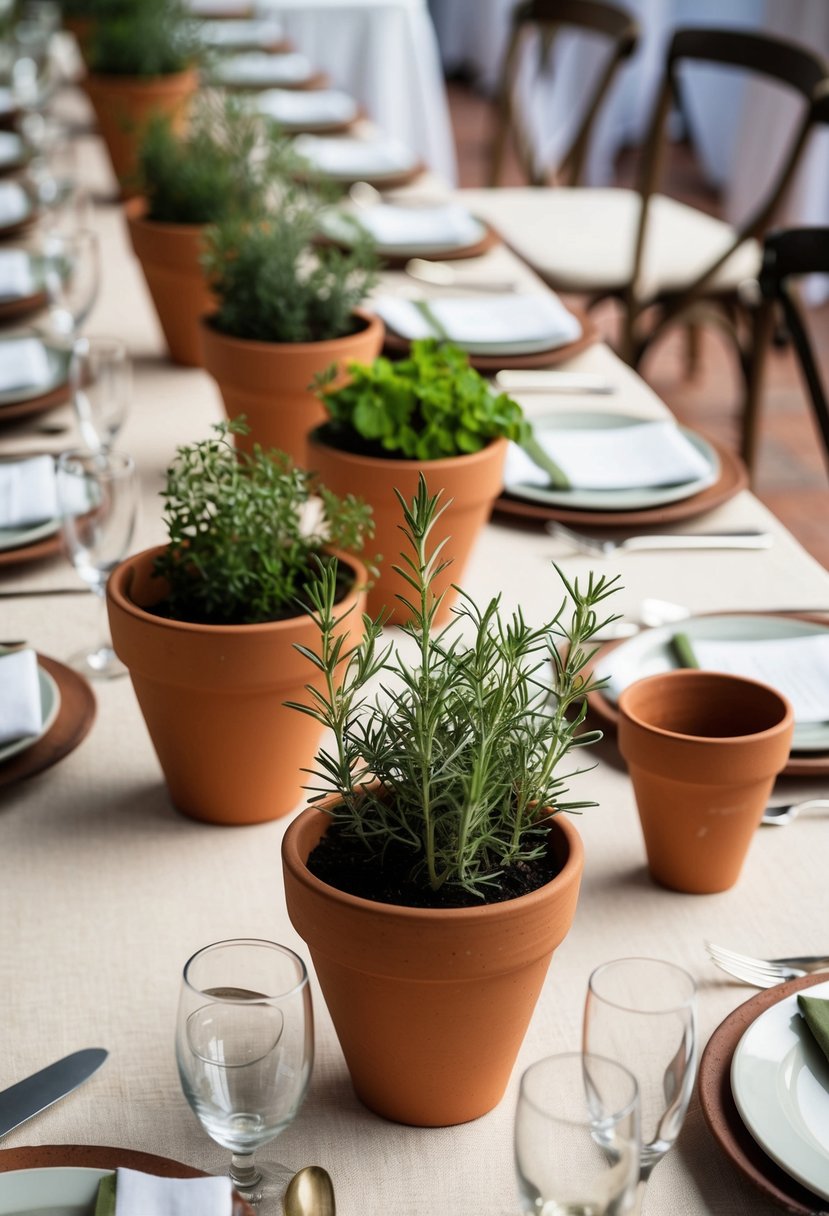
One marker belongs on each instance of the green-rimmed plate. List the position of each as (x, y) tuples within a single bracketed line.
[(58, 374), (16, 538), (49, 706)]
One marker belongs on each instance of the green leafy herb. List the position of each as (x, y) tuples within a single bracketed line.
[(141, 38), (238, 550), (457, 759)]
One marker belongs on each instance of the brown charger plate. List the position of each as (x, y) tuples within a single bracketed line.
[(89, 1156), (22, 306), (802, 764), (721, 1112), (35, 405), (386, 181), (394, 344), (732, 479), (317, 80), (70, 727), (49, 546)]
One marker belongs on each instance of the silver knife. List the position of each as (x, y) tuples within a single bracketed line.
[(29, 1097)]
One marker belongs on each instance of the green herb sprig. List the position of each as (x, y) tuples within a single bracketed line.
[(457, 759)]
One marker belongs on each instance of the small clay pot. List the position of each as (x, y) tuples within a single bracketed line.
[(703, 750)]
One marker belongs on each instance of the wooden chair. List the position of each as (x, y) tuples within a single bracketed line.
[(787, 255), (664, 261), (544, 20)]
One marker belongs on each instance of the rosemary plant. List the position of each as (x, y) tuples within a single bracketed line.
[(141, 38), (457, 759), (239, 551)]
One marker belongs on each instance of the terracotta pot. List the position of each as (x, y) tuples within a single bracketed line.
[(170, 256), (213, 699), (703, 750), (269, 382), (430, 1005), (470, 485), (124, 105)]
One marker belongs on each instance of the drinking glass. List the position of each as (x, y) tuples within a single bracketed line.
[(71, 276), (641, 1012), (577, 1137), (100, 378), (245, 1048), (97, 499)]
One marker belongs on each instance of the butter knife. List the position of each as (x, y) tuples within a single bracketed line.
[(29, 1097)]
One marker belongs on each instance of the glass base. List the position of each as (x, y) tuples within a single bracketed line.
[(266, 1191), (102, 663)]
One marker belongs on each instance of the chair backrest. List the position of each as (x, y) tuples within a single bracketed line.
[(774, 58), (545, 19)]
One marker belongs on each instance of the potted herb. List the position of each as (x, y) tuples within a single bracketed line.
[(287, 309), (433, 885), (430, 412), (141, 57), (208, 626), (190, 180)]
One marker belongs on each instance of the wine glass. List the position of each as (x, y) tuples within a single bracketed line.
[(97, 498), (642, 1013), (100, 378), (577, 1137), (245, 1048), (71, 275)]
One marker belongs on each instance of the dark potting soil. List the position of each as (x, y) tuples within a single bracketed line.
[(192, 616), (343, 863)]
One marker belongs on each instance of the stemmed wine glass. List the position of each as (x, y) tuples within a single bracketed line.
[(641, 1012), (577, 1137), (245, 1049), (71, 271), (97, 498), (100, 379)]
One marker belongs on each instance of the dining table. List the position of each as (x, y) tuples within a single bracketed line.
[(106, 889)]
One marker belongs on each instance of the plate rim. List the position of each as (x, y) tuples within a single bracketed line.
[(16, 746)]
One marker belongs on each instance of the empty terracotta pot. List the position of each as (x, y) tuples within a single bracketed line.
[(430, 1005), (270, 382), (703, 750), (470, 485), (170, 256), (213, 698)]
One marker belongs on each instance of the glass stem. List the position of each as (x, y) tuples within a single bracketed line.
[(244, 1173), (639, 1198)]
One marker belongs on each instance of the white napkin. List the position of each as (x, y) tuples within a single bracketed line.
[(14, 203), (16, 278), (209, 8), (291, 107), (615, 458), (145, 1195), (28, 492), (6, 101), (532, 322), (258, 67), (20, 710), (415, 226), (344, 155), (234, 35), (11, 148), (24, 364), (797, 667)]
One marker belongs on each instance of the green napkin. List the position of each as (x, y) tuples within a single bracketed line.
[(816, 1012), (683, 650), (105, 1203)]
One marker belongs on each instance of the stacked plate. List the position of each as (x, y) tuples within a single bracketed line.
[(300, 111), (344, 159), (400, 232), (48, 712), (33, 376), (261, 70), (12, 152), (17, 208), (249, 34)]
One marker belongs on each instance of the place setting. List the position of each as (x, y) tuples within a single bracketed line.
[(402, 230), (381, 160), (34, 376), (264, 70), (308, 111), (244, 34), (18, 209), (22, 284)]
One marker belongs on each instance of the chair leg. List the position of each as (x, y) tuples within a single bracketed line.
[(762, 330), (693, 347)]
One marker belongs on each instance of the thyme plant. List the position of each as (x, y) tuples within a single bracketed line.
[(457, 758), (239, 549), (141, 38)]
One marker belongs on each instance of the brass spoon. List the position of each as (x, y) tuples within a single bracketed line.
[(310, 1193)]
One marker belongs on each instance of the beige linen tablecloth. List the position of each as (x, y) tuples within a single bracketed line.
[(105, 890)]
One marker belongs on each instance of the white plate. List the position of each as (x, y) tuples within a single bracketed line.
[(16, 538), (650, 653), (344, 158), (55, 1191), (245, 35), (337, 227), (780, 1083), (300, 110), (58, 373), (260, 69), (49, 706), (635, 499)]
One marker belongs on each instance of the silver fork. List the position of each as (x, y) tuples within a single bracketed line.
[(765, 972), (599, 547)]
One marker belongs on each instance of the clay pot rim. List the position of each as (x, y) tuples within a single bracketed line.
[(135, 209), (372, 323), (113, 80), (117, 593), (391, 462), (292, 859), (691, 675)]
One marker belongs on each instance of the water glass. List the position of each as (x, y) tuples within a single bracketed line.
[(100, 379), (577, 1137), (71, 263), (245, 1049)]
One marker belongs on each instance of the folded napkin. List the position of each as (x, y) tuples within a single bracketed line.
[(11, 147), (420, 226), (258, 68), (14, 203), (20, 709), (344, 155), (28, 492), (234, 35), (531, 322), (210, 8), (797, 667), (16, 278), (314, 107), (613, 458), (24, 364), (6, 101), (130, 1193), (816, 1012)]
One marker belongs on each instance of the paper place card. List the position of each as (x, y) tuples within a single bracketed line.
[(259, 68), (21, 714), (24, 364), (797, 667), (539, 321), (16, 278), (612, 458), (314, 107), (14, 203), (344, 155), (449, 225)]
